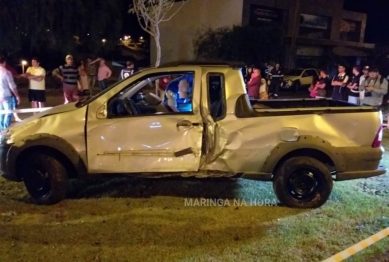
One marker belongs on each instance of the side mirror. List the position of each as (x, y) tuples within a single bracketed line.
[(102, 112)]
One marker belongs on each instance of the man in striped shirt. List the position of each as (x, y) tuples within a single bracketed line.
[(70, 77)]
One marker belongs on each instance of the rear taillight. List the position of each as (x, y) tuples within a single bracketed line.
[(378, 138)]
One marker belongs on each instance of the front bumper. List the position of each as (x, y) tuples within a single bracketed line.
[(4, 164)]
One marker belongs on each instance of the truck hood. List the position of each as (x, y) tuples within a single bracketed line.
[(52, 111)]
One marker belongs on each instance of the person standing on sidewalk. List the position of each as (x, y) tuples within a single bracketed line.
[(91, 72), (14, 102), (353, 86), (36, 76), (254, 84), (375, 87), (276, 78), (339, 83), (364, 76), (7, 89), (128, 71), (84, 83), (103, 74), (70, 77)]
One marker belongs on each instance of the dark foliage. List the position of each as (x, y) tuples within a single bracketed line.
[(64, 26), (240, 43)]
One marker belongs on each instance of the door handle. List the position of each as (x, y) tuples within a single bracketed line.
[(186, 123)]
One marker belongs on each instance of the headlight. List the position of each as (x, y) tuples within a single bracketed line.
[(6, 137)]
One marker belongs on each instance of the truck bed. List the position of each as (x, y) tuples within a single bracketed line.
[(300, 103), (255, 108)]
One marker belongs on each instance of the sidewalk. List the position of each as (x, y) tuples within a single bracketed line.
[(54, 97)]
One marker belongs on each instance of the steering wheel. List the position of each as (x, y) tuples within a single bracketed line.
[(129, 106)]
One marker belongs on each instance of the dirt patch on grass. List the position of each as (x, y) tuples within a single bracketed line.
[(378, 185), (384, 258)]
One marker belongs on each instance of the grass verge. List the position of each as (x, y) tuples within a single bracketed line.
[(150, 220)]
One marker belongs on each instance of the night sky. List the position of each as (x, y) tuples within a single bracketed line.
[(131, 24), (377, 11)]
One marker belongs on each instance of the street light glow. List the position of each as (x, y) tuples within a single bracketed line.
[(24, 63), (104, 40)]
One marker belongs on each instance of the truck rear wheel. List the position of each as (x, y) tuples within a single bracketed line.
[(45, 178), (302, 182)]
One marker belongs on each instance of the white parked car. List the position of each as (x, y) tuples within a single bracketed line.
[(296, 79)]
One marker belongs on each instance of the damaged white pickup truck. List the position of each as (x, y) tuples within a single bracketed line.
[(195, 119)]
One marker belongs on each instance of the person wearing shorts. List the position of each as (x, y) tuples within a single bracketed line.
[(36, 75), (70, 77)]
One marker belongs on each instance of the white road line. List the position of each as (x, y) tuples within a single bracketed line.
[(26, 110)]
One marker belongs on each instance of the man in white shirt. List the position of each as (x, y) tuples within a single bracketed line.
[(362, 80), (36, 75)]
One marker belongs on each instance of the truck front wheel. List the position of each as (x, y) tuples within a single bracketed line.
[(302, 182), (45, 178)]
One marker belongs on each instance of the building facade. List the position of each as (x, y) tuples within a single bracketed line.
[(315, 30)]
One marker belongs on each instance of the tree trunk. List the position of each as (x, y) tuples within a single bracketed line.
[(158, 45)]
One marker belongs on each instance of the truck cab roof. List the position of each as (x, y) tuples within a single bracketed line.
[(206, 63)]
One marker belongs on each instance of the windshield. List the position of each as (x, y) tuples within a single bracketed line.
[(294, 72), (91, 99)]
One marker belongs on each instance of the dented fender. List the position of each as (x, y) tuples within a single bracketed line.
[(303, 142), (45, 140)]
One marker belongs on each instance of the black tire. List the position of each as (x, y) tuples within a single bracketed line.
[(45, 178), (297, 86), (302, 182)]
